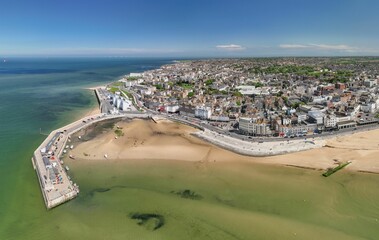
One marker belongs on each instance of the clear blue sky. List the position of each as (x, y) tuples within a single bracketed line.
[(189, 28)]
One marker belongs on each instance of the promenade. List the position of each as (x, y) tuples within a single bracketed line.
[(259, 148)]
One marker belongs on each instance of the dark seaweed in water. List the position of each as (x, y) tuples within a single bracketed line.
[(98, 128), (144, 218), (99, 190), (188, 194)]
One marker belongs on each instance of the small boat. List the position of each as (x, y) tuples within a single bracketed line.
[(106, 156), (72, 156), (67, 169), (64, 151), (72, 146), (67, 146), (80, 137)]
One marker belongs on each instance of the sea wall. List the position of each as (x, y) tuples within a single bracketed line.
[(258, 149)]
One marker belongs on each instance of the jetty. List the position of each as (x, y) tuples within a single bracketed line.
[(56, 185)]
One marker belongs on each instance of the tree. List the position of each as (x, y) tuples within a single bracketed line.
[(209, 82), (237, 94)]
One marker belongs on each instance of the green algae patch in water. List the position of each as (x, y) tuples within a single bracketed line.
[(151, 221), (187, 193)]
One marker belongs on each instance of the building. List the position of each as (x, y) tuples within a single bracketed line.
[(121, 103), (370, 83), (219, 118), (172, 108), (330, 121), (346, 124), (316, 117), (342, 118), (368, 107), (128, 83), (135, 74), (301, 116), (203, 112), (186, 110), (145, 90), (248, 90), (255, 127), (295, 130), (340, 86)]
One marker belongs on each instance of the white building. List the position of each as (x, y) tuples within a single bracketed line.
[(370, 83), (146, 90), (203, 112), (368, 107), (254, 127), (121, 103), (135, 74), (330, 121), (130, 83), (316, 116), (172, 108), (252, 90), (321, 99), (301, 116), (340, 119), (354, 113)]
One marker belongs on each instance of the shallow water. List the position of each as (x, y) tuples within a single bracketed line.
[(43, 94), (238, 201)]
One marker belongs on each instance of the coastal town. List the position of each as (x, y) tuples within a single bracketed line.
[(279, 97), (253, 107)]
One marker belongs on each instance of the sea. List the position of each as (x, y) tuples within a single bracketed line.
[(151, 199), (38, 95)]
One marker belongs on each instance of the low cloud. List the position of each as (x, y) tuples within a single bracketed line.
[(292, 46), (231, 47), (340, 47), (83, 51)]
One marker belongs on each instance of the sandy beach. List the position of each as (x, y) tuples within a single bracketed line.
[(93, 111), (172, 141)]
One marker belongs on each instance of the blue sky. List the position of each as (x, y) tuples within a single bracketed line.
[(189, 28)]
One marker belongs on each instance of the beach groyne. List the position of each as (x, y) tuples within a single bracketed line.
[(97, 96)]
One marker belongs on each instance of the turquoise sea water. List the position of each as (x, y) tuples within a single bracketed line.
[(46, 94)]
